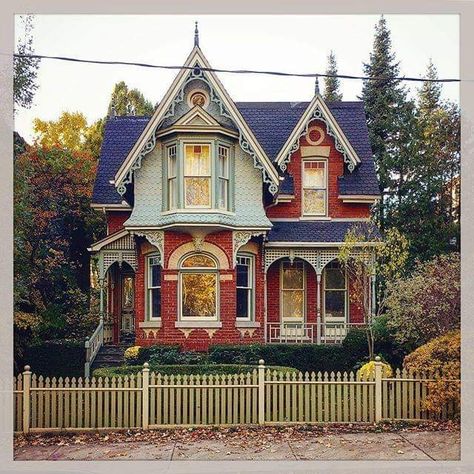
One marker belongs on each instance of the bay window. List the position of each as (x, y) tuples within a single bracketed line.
[(153, 303), (314, 187), (198, 176), (198, 287), (245, 287)]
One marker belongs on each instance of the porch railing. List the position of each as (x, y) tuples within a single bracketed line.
[(315, 333), (92, 346)]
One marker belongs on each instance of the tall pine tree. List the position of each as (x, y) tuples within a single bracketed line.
[(384, 98), (332, 84)]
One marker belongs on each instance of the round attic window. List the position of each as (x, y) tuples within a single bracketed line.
[(315, 135), (198, 98)]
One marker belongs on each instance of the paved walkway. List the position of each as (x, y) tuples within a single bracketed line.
[(434, 445)]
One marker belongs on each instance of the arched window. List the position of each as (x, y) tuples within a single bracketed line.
[(153, 285), (198, 287), (335, 292)]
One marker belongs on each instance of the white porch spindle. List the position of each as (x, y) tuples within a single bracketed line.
[(373, 295)]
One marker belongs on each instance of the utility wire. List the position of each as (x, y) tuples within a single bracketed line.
[(234, 71)]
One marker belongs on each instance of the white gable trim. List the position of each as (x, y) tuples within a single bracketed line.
[(147, 140), (197, 112), (95, 247), (318, 109)]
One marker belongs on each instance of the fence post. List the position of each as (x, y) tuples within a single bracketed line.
[(378, 389), (26, 399), (145, 394), (87, 364), (261, 392)]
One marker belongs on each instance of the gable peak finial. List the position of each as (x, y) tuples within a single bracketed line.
[(316, 85), (196, 34)]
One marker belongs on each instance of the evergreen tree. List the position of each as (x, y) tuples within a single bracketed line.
[(384, 98), (332, 84)]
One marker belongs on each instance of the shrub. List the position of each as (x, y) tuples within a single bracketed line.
[(368, 370), (304, 357), (439, 357), (131, 355), (59, 358), (207, 369)]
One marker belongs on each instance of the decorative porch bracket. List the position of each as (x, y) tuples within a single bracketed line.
[(240, 238), (155, 237)]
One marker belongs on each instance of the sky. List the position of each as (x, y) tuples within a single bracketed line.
[(290, 43)]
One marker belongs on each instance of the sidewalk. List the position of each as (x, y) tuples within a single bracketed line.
[(291, 445)]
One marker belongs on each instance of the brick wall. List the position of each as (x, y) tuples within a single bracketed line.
[(336, 208), (115, 220), (197, 339)]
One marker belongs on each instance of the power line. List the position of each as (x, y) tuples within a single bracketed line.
[(234, 71)]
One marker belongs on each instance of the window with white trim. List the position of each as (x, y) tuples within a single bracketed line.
[(153, 303), (223, 177), (245, 287), (335, 291), (172, 178), (292, 290), (197, 176), (198, 287), (314, 187)]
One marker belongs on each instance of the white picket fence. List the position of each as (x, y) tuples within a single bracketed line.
[(149, 400)]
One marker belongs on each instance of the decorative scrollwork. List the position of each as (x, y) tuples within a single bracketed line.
[(155, 237), (319, 115), (240, 238)]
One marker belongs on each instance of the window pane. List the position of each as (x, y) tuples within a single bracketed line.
[(335, 279), (335, 304), (199, 261), (155, 279), (293, 276), (314, 201), (314, 175), (155, 303), (172, 193), (243, 275), (198, 191), (127, 292), (199, 295), (292, 304), (243, 297), (223, 186), (172, 166), (223, 166), (197, 160)]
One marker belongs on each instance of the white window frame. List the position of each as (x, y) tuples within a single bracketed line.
[(250, 289), (346, 296), (149, 289), (315, 188), (172, 153), (220, 178), (209, 176), (188, 270), (282, 317)]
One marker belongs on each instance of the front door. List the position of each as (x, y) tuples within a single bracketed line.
[(292, 300), (128, 306)]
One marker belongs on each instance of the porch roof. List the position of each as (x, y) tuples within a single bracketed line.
[(317, 231)]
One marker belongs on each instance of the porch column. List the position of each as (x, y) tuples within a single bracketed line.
[(101, 301), (318, 308)]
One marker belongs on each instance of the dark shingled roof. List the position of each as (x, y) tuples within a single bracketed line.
[(316, 231), (271, 122), (120, 135)]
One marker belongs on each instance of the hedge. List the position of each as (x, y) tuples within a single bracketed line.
[(183, 369), (58, 358)]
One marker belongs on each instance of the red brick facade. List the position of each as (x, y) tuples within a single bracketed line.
[(115, 220)]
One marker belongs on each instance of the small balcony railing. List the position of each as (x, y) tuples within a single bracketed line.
[(313, 333)]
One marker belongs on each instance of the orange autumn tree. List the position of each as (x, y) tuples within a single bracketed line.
[(54, 225)]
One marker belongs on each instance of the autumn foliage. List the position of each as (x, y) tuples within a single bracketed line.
[(441, 358)]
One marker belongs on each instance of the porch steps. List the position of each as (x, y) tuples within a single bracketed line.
[(110, 356)]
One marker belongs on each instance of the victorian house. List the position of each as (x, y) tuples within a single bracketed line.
[(225, 218)]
